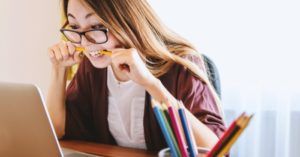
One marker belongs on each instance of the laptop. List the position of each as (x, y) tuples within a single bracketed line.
[(25, 125)]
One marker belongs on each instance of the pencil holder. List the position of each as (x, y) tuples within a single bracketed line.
[(166, 152)]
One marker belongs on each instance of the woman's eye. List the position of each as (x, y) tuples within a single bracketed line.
[(97, 26), (74, 27)]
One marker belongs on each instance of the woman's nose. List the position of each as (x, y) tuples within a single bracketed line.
[(85, 42)]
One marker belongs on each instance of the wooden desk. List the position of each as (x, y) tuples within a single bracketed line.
[(105, 150)]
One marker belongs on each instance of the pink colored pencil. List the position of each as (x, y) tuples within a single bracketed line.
[(178, 133)]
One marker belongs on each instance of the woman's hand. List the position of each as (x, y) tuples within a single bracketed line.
[(63, 54), (129, 62)]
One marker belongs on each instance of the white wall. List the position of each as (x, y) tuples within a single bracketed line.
[(27, 29), (253, 42)]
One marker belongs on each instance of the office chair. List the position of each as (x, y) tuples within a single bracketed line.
[(213, 74)]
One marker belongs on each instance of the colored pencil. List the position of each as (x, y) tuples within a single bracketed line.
[(230, 136), (243, 126), (224, 138), (104, 52), (187, 131), (159, 116), (178, 133), (167, 122)]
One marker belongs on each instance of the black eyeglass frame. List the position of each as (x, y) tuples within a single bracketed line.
[(105, 30)]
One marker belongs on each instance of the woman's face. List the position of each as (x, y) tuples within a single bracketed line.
[(81, 18)]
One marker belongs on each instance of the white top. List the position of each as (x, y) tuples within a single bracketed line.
[(126, 103)]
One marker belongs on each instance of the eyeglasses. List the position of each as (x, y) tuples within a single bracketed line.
[(96, 36)]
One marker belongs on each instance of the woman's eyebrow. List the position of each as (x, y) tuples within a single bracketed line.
[(70, 15), (87, 16)]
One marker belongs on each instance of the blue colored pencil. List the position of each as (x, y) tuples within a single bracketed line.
[(159, 117), (187, 132)]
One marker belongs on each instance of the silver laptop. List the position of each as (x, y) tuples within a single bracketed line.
[(25, 125)]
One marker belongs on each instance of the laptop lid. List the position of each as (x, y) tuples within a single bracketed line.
[(25, 127)]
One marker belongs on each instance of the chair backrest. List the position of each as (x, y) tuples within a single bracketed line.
[(213, 74)]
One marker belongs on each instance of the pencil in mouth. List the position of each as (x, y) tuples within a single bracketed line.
[(101, 52)]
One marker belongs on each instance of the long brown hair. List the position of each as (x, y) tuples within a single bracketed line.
[(135, 25)]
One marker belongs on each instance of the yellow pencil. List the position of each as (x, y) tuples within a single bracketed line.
[(104, 52), (243, 125)]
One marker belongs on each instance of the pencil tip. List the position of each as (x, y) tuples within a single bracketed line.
[(252, 115)]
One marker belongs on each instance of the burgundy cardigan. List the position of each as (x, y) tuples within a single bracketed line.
[(87, 105)]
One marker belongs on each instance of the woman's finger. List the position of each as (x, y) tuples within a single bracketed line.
[(121, 61), (71, 48), (52, 56), (57, 53), (64, 50), (78, 56)]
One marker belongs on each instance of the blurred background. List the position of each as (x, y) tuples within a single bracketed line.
[(27, 29), (255, 45)]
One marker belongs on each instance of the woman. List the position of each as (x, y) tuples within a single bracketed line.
[(108, 100)]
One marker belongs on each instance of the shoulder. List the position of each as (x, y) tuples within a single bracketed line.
[(180, 79), (196, 59), (181, 70)]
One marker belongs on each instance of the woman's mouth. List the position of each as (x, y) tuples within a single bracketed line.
[(95, 54)]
